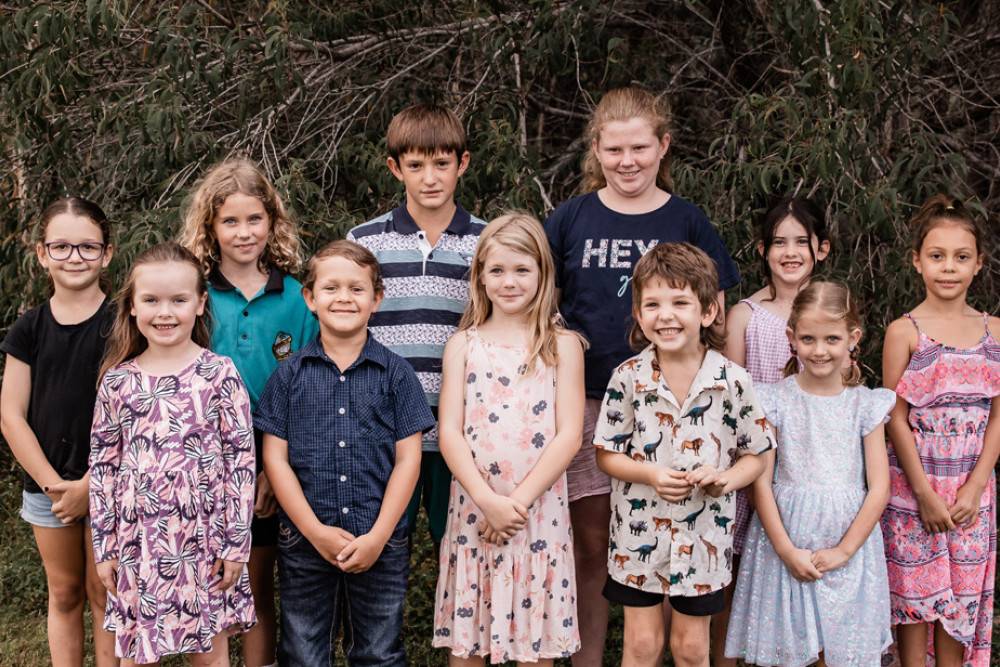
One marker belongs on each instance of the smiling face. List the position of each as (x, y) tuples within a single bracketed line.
[(510, 279), (430, 180), (629, 153), (342, 296), (672, 318), (822, 343), (948, 261), (166, 303), (241, 226), (792, 255), (74, 272)]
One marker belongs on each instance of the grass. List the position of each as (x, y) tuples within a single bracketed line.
[(23, 642)]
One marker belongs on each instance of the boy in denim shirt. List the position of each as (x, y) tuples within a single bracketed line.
[(342, 419), (425, 248)]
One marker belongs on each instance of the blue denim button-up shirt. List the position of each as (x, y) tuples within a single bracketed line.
[(342, 427)]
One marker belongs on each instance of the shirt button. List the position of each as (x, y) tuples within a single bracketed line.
[(244, 336), (341, 411), (246, 314), (345, 510), (341, 443), (342, 378), (343, 478)]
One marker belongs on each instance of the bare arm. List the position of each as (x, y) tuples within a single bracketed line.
[(877, 472), (736, 333), (900, 340), (569, 424), (15, 395), (797, 561)]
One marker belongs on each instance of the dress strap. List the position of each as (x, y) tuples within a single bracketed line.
[(910, 317), (986, 324)]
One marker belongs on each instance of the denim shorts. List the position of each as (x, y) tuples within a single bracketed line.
[(317, 598), (36, 509)]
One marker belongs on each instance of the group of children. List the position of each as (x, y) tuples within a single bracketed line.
[(219, 414)]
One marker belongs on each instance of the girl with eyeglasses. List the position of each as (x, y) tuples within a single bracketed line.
[(46, 407)]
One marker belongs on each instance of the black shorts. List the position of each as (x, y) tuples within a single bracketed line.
[(263, 532), (700, 605)]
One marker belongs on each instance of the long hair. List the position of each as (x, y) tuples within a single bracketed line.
[(679, 265), (83, 208), (126, 341), (805, 212), (520, 233), (624, 104), (836, 301), (232, 176)]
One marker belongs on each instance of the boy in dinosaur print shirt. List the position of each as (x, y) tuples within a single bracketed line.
[(680, 430)]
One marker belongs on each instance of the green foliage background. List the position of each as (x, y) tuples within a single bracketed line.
[(867, 106)]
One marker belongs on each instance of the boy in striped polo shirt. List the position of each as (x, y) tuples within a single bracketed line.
[(425, 247)]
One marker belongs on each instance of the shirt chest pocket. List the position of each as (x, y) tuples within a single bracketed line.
[(375, 416)]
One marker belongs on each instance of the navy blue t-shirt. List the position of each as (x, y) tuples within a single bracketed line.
[(595, 250)]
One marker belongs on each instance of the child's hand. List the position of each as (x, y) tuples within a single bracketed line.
[(492, 536), (965, 511), (800, 565), (708, 479), (360, 554), (935, 514), (827, 560), (330, 541), (69, 499), (672, 485), (266, 504), (107, 572), (504, 515), (230, 571)]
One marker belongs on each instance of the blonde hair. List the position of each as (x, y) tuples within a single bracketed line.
[(836, 301), (521, 233), (679, 265), (126, 340), (233, 176), (622, 105)]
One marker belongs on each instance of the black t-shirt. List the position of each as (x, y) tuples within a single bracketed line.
[(64, 360), (595, 250)]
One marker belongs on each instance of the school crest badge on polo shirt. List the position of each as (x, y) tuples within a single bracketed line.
[(282, 347)]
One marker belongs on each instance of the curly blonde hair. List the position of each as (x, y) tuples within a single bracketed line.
[(237, 175)]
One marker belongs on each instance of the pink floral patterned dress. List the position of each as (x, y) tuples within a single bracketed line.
[(516, 601), (946, 577), (171, 490)]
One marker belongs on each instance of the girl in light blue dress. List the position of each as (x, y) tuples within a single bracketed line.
[(812, 585)]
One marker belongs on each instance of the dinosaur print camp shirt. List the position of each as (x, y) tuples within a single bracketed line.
[(677, 549)]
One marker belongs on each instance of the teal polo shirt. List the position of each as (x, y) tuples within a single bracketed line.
[(259, 332)]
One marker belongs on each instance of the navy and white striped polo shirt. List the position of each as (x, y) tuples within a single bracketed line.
[(426, 290)]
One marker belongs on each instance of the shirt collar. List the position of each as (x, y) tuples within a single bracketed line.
[(372, 351), (275, 280), (710, 375), (403, 223)]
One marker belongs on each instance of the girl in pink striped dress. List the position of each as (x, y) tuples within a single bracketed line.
[(793, 239)]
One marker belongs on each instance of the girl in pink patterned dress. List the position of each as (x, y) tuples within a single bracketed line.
[(793, 240), (171, 472), (940, 526), (511, 411)]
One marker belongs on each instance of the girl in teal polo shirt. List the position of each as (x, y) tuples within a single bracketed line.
[(238, 228)]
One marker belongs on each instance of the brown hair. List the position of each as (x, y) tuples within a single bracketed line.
[(83, 208), (836, 301), (126, 340), (233, 176), (624, 104), (350, 250), (425, 129), (522, 233), (942, 209), (803, 211), (679, 265)]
